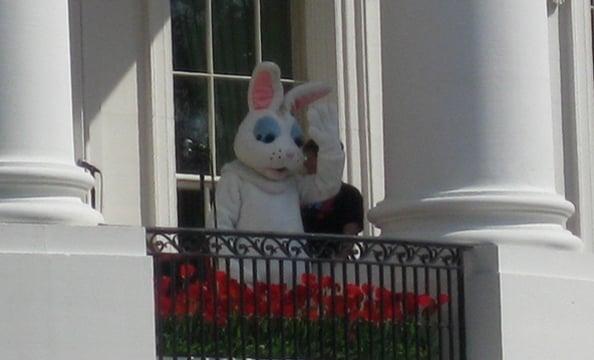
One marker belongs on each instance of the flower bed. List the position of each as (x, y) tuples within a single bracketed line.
[(217, 316)]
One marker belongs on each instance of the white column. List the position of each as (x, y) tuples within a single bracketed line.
[(39, 182), (468, 124)]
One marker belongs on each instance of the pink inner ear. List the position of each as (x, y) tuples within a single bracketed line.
[(303, 101), (262, 91)]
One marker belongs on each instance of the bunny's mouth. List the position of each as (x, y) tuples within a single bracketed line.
[(281, 171), (275, 173)]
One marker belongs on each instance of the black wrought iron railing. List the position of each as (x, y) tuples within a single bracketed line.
[(232, 295)]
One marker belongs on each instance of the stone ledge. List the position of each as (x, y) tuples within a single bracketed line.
[(69, 240)]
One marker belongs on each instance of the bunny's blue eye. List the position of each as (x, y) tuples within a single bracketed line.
[(297, 135), (266, 130)]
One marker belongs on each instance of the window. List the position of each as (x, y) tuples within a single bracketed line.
[(200, 67), (215, 46)]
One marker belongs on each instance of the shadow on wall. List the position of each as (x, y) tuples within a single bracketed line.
[(110, 52)]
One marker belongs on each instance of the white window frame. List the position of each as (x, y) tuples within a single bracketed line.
[(360, 92), (159, 207), (353, 66)]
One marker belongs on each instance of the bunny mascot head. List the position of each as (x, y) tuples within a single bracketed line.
[(262, 189), (269, 139)]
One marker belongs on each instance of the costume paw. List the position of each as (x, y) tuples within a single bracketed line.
[(323, 126)]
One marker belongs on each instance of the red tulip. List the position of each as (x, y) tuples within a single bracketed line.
[(186, 271)]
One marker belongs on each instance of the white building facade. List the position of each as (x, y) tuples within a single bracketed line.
[(463, 121)]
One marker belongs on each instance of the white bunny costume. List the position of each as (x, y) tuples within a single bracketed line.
[(262, 190)]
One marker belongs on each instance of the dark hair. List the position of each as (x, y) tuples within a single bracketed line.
[(311, 147)]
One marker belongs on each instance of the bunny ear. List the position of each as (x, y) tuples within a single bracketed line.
[(265, 91), (301, 96)]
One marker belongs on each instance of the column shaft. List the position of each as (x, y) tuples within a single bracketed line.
[(468, 124), (38, 179)]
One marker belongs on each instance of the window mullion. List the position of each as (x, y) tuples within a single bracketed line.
[(209, 38), (211, 91), (258, 30)]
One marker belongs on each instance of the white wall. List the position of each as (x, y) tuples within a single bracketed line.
[(75, 293), (110, 57), (527, 303)]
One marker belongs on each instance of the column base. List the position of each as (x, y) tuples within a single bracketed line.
[(500, 217), (46, 193), (48, 211)]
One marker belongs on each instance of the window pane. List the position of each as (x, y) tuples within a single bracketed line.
[(190, 208), (188, 28), (231, 107), (276, 34), (233, 36), (191, 125)]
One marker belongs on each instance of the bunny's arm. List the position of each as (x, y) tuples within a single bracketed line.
[(326, 182), (228, 201), (323, 129)]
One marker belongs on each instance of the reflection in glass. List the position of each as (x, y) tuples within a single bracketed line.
[(188, 30), (276, 34), (190, 208), (233, 36), (231, 108), (191, 125)]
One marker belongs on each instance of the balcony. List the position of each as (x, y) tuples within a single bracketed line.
[(231, 295)]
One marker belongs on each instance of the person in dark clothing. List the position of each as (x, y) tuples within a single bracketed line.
[(341, 214)]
